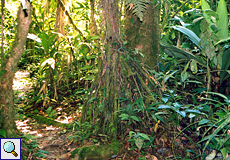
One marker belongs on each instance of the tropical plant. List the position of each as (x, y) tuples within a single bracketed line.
[(215, 36)]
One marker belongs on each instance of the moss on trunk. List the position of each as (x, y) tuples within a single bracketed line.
[(144, 35)]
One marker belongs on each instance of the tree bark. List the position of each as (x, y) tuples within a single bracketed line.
[(7, 114), (119, 77), (109, 76), (144, 35)]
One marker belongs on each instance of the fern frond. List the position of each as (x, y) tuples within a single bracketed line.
[(137, 7)]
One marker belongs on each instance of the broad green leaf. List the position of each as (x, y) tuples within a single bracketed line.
[(88, 77), (210, 13), (49, 61), (185, 68), (222, 23), (223, 40), (224, 152), (182, 113), (191, 115), (94, 37), (92, 99), (203, 121), (144, 136), (163, 106), (158, 113), (85, 67), (154, 117), (91, 57), (51, 114), (131, 133), (135, 118), (184, 76), (204, 5), (124, 117), (225, 65), (193, 67), (42, 151), (191, 35), (179, 53), (193, 111), (197, 19), (2, 133), (2, 72), (49, 109), (139, 143), (161, 67), (44, 39), (170, 76), (218, 94), (132, 20), (79, 92), (165, 100), (219, 128), (197, 82)]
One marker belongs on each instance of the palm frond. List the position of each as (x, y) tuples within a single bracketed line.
[(137, 7)]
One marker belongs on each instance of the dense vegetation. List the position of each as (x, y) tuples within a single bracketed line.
[(138, 84)]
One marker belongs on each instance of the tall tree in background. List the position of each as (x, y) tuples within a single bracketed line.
[(61, 18), (8, 68), (144, 33)]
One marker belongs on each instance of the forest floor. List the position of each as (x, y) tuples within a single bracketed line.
[(53, 143)]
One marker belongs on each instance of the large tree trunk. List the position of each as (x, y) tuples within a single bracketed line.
[(7, 120), (145, 35), (109, 76), (119, 77)]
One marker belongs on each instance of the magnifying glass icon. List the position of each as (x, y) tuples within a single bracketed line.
[(9, 147)]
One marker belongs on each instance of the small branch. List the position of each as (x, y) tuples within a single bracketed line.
[(180, 8)]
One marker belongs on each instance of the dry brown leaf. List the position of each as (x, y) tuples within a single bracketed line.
[(130, 6), (153, 157)]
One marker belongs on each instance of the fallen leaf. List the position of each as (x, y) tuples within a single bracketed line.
[(153, 157), (130, 6)]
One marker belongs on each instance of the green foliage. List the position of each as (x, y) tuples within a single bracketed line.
[(222, 22), (137, 7), (83, 132), (140, 140), (219, 137), (225, 65), (28, 142), (191, 35), (180, 53), (51, 113), (211, 34), (2, 133), (41, 154)]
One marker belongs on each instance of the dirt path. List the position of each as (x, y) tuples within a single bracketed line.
[(53, 142)]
